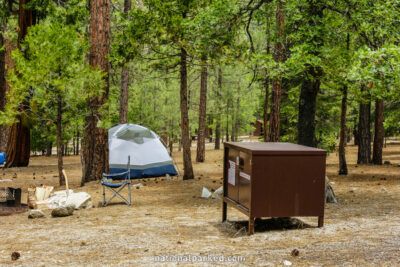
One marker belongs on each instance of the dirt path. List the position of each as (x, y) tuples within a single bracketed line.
[(169, 218)]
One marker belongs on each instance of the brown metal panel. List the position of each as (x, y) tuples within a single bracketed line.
[(244, 179), (236, 205), (274, 180), (226, 151), (232, 185), (288, 186), (267, 148)]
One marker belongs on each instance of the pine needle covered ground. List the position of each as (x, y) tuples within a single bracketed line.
[(168, 217)]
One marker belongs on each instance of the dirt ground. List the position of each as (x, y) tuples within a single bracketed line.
[(168, 217)]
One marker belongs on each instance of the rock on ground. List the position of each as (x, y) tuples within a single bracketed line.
[(34, 214), (329, 194), (63, 211)]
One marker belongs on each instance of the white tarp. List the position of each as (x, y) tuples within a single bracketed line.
[(43, 192), (80, 200)]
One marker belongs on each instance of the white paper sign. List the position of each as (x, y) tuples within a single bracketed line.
[(245, 175), (231, 172)]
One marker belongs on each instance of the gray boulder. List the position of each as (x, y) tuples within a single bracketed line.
[(34, 214), (329, 194), (63, 211)]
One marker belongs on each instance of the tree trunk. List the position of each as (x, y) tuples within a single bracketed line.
[(124, 106), (49, 147), (266, 85), (348, 136), (236, 125), (18, 145), (27, 18), (355, 133), (218, 134), (59, 141), (6, 63), (277, 81), (311, 77), (73, 145), (66, 148), (218, 125), (266, 107), (127, 5), (378, 137), (227, 120), (77, 143), (171, 146), (233, 124), (201, 136), (187, 157), (3, 86), (95, 143), (307, 106), (343, 129), (364, 132), (342, 142)]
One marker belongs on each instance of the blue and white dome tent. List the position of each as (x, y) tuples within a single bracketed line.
[(149, 157)]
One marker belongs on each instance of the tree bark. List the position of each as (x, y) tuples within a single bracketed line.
[(127, 5), (378, 137), (311, 77), (218, 124), (266, 85), (3, 86), (187, 157), (236, 125), (265, 117), (26, 19), (274, 122), (343, 129), (307, 108), (227, 120), (201, 137), (18, 145), (342, 142), (74, 145), (171, 146), (49, 147), (95, 143), (233, 118), (77, 143), (6, 63), (124, 106), (59, 141), (66, 148), (364, 132), (355, 133)]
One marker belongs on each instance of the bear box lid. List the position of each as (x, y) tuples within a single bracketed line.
[(271, 148)]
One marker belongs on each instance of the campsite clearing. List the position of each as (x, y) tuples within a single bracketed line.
[(168, 217)]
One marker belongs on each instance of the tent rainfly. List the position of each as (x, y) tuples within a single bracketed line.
[(149, 157)]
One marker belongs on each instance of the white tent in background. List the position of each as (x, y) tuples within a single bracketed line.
[(149, 158)]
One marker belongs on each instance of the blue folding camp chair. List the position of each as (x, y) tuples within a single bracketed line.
[(125, 177), (2, 159)]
